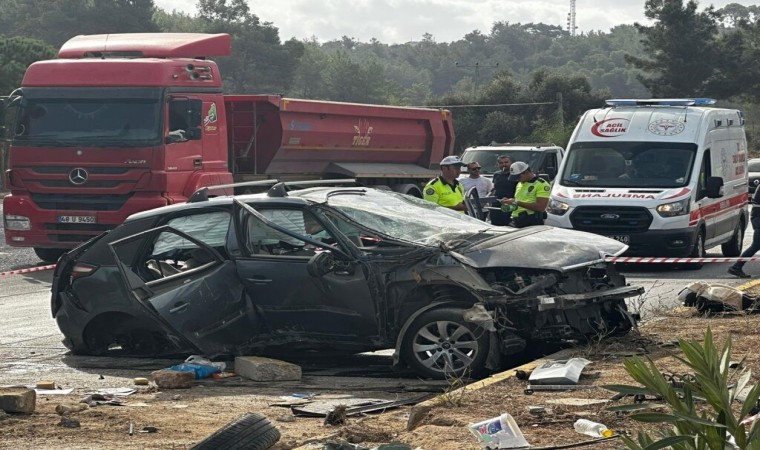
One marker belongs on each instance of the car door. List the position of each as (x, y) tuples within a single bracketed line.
[(203, 302), (276, 251)]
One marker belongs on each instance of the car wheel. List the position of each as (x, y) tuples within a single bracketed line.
[(697, 252), (440, 344), (49, 255), (251, 432), (734, 246)]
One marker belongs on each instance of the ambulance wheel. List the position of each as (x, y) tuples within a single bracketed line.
[(698, 252), (734, 246)]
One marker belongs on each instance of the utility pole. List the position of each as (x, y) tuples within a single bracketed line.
[(477, 66)]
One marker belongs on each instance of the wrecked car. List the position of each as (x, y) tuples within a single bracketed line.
[(350, 269)]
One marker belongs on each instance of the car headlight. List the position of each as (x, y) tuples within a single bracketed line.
[(557, 207), (678, 208), (17, 223)]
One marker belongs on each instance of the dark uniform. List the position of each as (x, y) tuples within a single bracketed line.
[(503, 188), (754, 218), (528, 192)]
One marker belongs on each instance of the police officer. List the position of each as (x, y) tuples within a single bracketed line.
[(531, 198), (503, 188), (446, 190)]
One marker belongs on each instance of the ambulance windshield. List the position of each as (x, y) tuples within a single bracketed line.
[(629, 164)]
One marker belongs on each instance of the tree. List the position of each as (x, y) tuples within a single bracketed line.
[(260, 63), (681, 48), (16, 54)]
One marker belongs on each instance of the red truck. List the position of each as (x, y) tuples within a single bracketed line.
[(122, 123)]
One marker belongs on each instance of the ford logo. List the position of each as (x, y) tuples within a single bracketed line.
[(610, 216)]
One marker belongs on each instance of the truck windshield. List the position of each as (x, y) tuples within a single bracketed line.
[(629, 164), (93, 117), (487, 158)]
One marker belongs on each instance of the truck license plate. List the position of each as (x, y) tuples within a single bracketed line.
[(76, 219), (624, 238)]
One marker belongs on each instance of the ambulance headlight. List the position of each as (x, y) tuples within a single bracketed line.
[(678, 208), (557, 207)]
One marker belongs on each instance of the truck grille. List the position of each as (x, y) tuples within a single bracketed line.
[(611, 219), (99, 228), (80, 202)]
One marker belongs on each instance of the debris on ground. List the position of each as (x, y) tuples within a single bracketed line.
[(716, 297), (68, 422), (171, 379), (566, 371), (102, 399), (499, 432), (18, 400), (257, 368), (45, 385), (63, 410), (337, 416), (140, 381)]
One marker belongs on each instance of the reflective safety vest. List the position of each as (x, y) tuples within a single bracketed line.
[(438, 191), (528, 192)]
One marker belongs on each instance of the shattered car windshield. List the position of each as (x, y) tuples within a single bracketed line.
[(402, 216)]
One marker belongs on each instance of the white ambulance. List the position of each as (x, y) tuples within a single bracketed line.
[(668, 177)]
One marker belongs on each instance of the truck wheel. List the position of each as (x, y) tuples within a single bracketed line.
[(734, 246), (251, 432), (440, 344), (698, 252), (49, 255)]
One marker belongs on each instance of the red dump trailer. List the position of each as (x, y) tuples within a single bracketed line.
[(122, 123)]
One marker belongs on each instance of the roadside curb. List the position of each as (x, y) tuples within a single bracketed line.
[(747, 285), (497, 377)]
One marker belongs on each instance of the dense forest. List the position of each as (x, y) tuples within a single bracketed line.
[(517, 83)]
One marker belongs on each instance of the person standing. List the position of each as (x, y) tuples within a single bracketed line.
[(531, 198), (737, 269), (503, 188), (482, 184), (445, 189)]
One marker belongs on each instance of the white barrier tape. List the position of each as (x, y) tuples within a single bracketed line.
[(652, 260), (29, 270)]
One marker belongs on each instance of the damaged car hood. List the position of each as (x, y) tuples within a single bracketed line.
[(560, 249)]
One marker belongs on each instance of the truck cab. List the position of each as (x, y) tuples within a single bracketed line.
[(108, 130)]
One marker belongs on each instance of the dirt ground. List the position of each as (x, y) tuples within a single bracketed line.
[(185, 417)]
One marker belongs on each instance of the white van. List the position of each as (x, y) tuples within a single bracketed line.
[(666, 177)]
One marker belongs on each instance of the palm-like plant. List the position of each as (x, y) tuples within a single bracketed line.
[(706, 424)]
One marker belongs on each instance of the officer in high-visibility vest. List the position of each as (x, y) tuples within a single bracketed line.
[(445, 189), (531, 197)]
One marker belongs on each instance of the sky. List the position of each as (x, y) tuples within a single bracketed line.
[(399, 21)]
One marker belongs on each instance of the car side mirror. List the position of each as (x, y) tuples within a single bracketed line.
[(714, 187), (321, 264)]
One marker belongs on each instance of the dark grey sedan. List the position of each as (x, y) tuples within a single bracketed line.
[(349, 269)]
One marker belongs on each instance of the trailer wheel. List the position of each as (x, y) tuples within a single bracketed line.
[(251, 432), (49, 255)]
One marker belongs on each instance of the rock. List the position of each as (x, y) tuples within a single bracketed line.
[(337, 416), (446, 422), (45, 385), (140, 381), (416, 416), (68, 422), (266, 369), (286, 418), (536, 410), (18, 400), (63, 410), (176, 397), (172, 379)]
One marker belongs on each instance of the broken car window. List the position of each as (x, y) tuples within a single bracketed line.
[(209, 228), (262, 239)]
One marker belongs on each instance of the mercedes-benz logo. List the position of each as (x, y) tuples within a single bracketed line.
[(78, 176)]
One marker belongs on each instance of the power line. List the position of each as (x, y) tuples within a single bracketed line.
[(494, 105)]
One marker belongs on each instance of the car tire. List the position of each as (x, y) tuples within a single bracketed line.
[(734, 246), (49, 255), (251, 432), (440, 344), (697, 252)]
